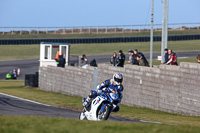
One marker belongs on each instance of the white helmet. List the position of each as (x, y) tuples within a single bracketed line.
[(118, 78)]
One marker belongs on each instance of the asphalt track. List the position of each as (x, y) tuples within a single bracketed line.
[(11, 105), (30, 66)]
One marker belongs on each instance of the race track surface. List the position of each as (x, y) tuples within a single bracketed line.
[(10, 105), (30, 66)]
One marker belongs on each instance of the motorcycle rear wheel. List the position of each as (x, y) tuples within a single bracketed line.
[(106, 112)]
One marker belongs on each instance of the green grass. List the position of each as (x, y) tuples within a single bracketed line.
[(178, 123), (17, 124), (9, 52), (86, 35)]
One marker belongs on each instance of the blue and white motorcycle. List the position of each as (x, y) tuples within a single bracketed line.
[(101, 106)]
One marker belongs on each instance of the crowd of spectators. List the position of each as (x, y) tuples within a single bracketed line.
[(135, 58)]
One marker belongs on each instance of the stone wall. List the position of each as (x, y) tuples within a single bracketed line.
[(173, 89)]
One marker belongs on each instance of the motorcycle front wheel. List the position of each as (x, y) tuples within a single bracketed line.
[(82, 115)]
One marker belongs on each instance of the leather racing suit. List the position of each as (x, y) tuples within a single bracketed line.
[(107, 86)]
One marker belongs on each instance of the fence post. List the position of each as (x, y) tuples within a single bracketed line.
[(72, 30), (29, 30), (197, 26), (115, 29), (46, 30), (37, 30), (12, 30), (106, 29), (122, 28), (55, 31), (20, 30), (139, 28), (3, 30), (189, 26), (97, 29), (131, 28), (80, 30), (89, 30), (64, 30)]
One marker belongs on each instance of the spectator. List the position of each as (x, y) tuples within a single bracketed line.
[(57, 55), (93, 63), (132, 59), (172, 59), (61, 61), (84, 61), (198, 58), (113, 59), (166, 55), (130, 56), (141, 55), (121, 59), (140, 61)]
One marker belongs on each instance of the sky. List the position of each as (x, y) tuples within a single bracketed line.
[(46, 13)]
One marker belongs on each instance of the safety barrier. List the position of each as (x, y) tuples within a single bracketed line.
[(98, 40), (167, 88)]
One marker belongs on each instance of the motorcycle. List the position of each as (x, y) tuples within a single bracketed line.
[(101, 106)]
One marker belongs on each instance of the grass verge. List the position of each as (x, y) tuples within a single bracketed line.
[(9, 52), (15, 124), (23, 124)]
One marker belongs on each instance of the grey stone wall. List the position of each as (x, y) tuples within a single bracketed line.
[(173, 89), (71, 80)]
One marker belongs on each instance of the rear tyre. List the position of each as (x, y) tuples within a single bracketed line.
[(106, 112)]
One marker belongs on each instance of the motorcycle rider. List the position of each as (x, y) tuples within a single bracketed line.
[(106, 86)]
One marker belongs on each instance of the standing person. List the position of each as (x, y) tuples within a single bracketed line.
[(172, 59), (132, 59), (113, 59), (130, 56), (121, 59), (84, 61), (61, 61), (166, 55), (57, 55), (141, 55)]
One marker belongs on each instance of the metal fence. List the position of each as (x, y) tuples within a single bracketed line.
[(97, 29)]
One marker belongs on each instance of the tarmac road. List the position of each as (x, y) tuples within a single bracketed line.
[(30, 66), (11, 105)]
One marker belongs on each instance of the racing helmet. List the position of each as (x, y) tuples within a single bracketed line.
[(118, 78)]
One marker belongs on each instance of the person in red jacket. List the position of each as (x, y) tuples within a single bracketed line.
[(172, 59)]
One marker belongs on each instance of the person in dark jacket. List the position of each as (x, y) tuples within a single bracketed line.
[(166, 55), (61, 61), (121, 59), (141, 55), (140, 61), (114, 60), (132, 59)]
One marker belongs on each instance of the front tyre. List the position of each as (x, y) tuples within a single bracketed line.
[(103, 115), (82, 115)]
